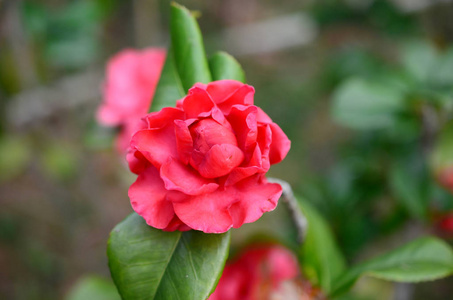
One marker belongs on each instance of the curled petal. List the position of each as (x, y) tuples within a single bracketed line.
[(243, 121), (156, 145), (242, 96), (163, 118), (257, 197), (252, 167), (264, 142), (137, 162), (184, 142), (262, 117), (128, 129), (179, 177), (208, 212), (222, 90), (196, 102), (220, 160), (148, 199), (280, 144)]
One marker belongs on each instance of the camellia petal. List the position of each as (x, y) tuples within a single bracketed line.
[(184, 142), (243, 121), (208, 212), (222, 90), (242, 96), (258, 196), (137, 162), (262, 117), (206, 133), (163, 118), (252, 167), (196, 102), (156, 145), (220, 160), (180, 177), (148, 199), (280, 144)]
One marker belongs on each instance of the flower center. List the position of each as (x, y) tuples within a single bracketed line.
[(206, 133)]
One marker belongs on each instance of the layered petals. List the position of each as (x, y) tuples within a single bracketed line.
[(179, 177), (148, 199), (210, 155), (208, 212), (257, 197), (156, 145), (220, 160)]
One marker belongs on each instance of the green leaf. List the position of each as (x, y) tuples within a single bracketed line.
[(147, 263), (442, 75), (320, 256), (420, 60), (169, 89), (93, 287), (424, 259), (188, 49), (362, 104), (408, 185), (225, 66)]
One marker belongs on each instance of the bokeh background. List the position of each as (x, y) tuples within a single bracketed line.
[(63, 186)]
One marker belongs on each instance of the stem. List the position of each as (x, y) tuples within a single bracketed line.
[(298, 217)]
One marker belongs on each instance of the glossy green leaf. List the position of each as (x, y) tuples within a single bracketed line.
[(424, 259), (188, 48), (362, 104), (225, 66), (320, 256), (147, 263), (169, 89), (93, 287)]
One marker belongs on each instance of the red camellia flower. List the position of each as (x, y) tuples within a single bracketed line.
[(264, 272), (131, 80), (445, 178), (446, 224), (201, 165)]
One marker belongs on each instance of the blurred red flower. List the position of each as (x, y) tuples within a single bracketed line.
[(202, 164), (446, 224), (131, 79), (263, 272), (445, 178)]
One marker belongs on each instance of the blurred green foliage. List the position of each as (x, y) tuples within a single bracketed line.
[(93, 287), (67, 36)]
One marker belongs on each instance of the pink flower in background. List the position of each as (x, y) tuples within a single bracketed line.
[(202, 164), (131, 79), (258, 274)]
